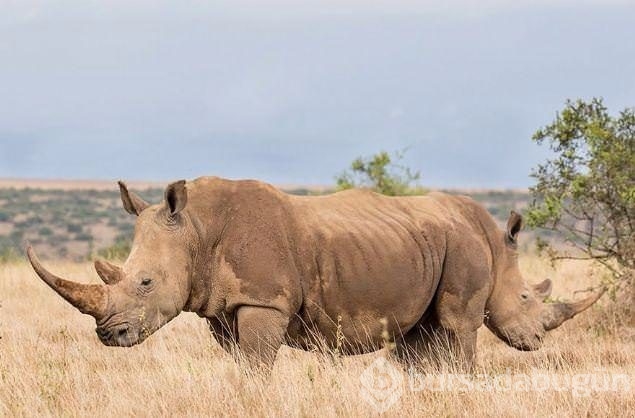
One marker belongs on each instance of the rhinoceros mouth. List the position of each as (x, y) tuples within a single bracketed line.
[(518, 340), (527, 346), (120, 336)]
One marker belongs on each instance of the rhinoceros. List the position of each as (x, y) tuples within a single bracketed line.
[(267, 268)]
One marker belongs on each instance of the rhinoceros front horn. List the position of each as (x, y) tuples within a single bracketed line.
[(90, 299), (556, 313)]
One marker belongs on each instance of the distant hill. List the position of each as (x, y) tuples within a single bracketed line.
[(80, 219)]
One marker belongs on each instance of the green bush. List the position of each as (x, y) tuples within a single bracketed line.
[(45, 231), (382, 174), (118, 251), (586, 192), (74, 228), (8, 254), (84, 236)]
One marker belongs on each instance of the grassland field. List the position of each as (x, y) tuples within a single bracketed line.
[(52, 364)]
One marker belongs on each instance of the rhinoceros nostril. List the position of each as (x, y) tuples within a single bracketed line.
[(103, 333), (122, 332)]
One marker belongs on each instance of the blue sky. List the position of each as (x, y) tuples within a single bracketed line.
[(290, 92)]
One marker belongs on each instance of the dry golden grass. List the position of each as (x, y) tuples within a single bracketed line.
[(51, 364)]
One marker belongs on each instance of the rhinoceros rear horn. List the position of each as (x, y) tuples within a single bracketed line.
[(88, 298), (542, 290), (556, 313), (132, 203), (109, 273)]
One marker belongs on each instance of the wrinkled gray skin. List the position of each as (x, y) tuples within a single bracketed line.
[(266, 268)]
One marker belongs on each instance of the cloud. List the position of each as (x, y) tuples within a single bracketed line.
[(292, 91)]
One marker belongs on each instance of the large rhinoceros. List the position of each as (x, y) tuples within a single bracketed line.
[(267, 268)]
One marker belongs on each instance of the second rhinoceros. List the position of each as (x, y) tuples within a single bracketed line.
[(267, 268)]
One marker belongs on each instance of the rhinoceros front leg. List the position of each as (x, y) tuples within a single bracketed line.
[(435, 344), (461, 346), (261, 332), (458, 321), (223, 330)]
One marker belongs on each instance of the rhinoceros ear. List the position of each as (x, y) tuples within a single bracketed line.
[(514, 224), (132, 203), (176, 197)]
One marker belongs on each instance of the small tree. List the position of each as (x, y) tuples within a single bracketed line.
[(117, 251), (587, 190), (381, 174)]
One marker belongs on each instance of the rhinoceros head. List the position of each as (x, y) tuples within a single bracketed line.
[(152, 286), (516, 311)]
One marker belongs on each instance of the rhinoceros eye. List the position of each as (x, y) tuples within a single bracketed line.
[(146, 282), (524, 296)]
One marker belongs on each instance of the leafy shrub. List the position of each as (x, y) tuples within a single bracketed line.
[(118, 251), (45, 231), (586, 192), (382, 174), (8, 254), (84, 236), (74, 228)]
